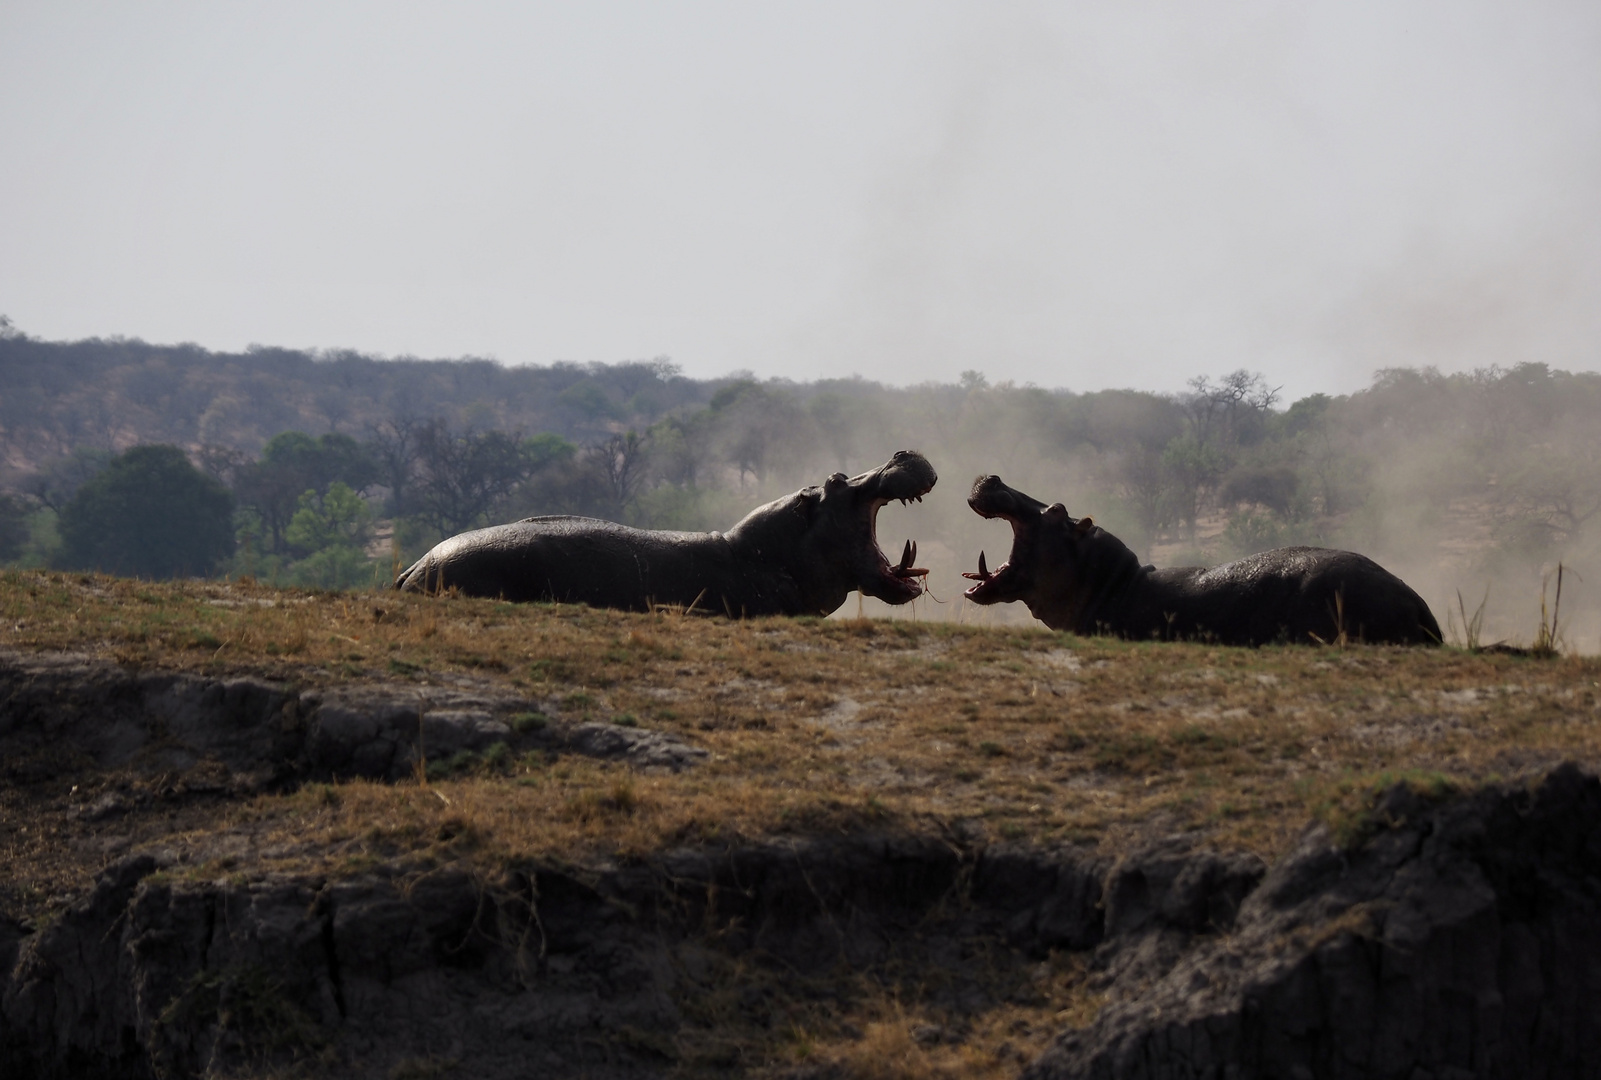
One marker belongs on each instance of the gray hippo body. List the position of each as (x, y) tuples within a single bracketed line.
[(1076, 576), (798, 555)]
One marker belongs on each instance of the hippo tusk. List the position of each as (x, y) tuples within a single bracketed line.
[(905, 569), (983, 571)]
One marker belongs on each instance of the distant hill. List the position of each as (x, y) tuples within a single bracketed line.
[(112, 394)]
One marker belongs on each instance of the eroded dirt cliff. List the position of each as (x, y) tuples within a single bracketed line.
[(1443, 934)]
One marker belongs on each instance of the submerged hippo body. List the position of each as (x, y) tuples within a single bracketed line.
[(798, 555), (1076, 576)]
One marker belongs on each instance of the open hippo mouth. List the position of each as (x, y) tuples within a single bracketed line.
[(906, 477), (991, 498)]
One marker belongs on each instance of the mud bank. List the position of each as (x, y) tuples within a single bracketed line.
[(1449, 938)]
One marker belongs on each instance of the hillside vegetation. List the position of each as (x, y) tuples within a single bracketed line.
[(1472, 487)]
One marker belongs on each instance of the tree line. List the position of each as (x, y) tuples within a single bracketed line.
[(1492, 472), (111, 394)]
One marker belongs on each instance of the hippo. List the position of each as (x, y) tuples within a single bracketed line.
[(798, 555), (1074, 575)]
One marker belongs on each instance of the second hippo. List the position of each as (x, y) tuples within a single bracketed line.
[(1076, 576)]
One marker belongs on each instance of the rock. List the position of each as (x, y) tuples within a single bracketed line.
[(1052, 904), (62, 710), (637, 746), (1462, 940), (1171, 885)]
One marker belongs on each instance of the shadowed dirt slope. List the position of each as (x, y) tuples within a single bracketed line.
[(1459, 940)]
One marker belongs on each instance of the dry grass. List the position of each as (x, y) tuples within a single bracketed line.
[(822, 724), (814, 727), (905, 1017), (891, 1038)]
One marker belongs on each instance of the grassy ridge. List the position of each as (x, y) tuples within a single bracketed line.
[(816, 723)]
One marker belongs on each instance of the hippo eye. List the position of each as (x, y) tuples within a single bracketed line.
[(837, 479)]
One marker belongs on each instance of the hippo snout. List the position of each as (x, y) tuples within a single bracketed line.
[(991, 497)]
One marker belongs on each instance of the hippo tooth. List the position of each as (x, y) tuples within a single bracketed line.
[(906, 557)]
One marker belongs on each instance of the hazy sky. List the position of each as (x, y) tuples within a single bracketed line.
[(1071, 194)]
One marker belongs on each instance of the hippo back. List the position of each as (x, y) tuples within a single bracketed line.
[(578, 560), (1297, 594)]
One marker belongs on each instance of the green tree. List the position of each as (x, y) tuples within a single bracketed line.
[(545, 450), (332, 531), (337, 517), (148, 514), (291, 463)]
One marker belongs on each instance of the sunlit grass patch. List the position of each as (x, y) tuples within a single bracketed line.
[(1349, 804)]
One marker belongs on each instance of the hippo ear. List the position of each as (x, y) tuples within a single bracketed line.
[(806, 500), (1085, 524)]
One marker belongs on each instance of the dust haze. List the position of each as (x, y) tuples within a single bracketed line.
[(1473, 488)]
